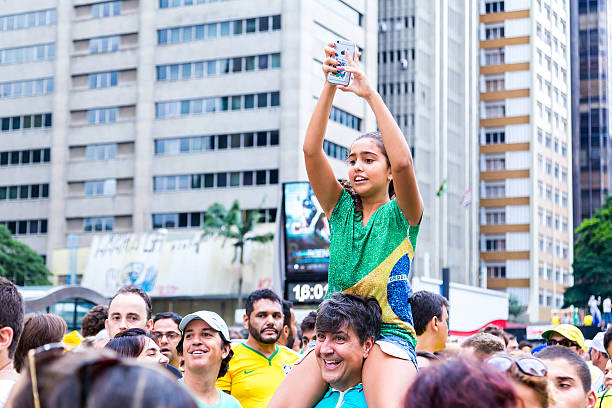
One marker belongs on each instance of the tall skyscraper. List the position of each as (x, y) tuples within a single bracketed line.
[(525, 151), (428, 77), (591, 72), (131, 115)]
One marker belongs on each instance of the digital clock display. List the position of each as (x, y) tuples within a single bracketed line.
[(306, 292)]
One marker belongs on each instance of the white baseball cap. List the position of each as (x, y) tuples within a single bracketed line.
[(214, 320), (598, 343)]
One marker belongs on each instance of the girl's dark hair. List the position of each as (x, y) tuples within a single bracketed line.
[(377, 138), (38, 330), (457, 383), (130, 343)]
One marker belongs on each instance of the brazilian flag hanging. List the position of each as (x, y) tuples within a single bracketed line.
[(443, 188)]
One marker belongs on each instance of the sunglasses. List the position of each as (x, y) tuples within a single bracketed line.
[(527, 365), (87, 370), (563, 342)]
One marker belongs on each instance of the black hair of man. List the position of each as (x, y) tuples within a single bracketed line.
[(342, 310), (497, 332), (176, 318), (571, 358), (258, 295), (287, 306), (93, 321), (425, 305), (135, 290), (309, 322), (608, 337), (12, 311)]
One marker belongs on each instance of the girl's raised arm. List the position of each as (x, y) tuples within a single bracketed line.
[(402, 167), (320, 173)]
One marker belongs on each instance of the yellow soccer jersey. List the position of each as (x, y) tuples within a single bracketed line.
[(253, 378)]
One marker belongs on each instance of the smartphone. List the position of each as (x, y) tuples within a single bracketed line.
[(344, 50)]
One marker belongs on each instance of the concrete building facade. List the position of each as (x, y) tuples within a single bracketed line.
[(427, 75), (525, 151), (130, 115)]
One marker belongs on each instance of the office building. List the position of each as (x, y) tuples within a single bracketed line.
[(525, 151), (427, 56), (128, 115), (591, 70)]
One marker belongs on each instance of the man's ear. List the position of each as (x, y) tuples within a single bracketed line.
[(6, 337), (226, 350), (245, 321), (149, 325), (591, 399), (106, 326), (433, 323), (367, 346)]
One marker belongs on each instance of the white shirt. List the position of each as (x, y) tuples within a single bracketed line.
[(5, 390), (607, 305)]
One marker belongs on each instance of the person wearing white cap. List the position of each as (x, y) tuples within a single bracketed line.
[(599, 359), (206, 351)]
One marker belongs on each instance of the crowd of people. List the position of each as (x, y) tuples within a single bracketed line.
[(128, 356), (371, 343)]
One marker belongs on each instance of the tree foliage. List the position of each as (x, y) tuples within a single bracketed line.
[(514, 306), (593, 258), (19, 263), (236, 225)]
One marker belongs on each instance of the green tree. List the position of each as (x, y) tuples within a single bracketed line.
[(19, 263), (593, 258), (238, 226), (514, 307)]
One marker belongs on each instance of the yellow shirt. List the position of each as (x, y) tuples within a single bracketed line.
[(253, 378)]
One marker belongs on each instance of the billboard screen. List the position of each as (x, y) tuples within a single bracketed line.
[(307, 233)]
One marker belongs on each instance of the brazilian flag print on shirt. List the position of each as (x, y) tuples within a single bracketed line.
[(374, 261)]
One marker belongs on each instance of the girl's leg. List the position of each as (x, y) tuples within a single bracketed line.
[(303, 387), (386, 379)]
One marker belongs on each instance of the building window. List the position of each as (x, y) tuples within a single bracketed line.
[(495, 109), (495, 137), (96, 224), (39, 52), (496, 271), (179, 3), (215, 180), (106, 9), (36, 121), (201, 69), (494, 31), (495, 244), (101, 187), (33, 87), (24, 192), (494, 83), (216, 104), (104, 44), (495, 163), (101, 116), (334, 150), (103, 79), (345, 118), (195, 144), (26, 227), (25, 157), (495, 216), (107, 151), (28, 20), (494, 6), (219, 29), (495, 190), (494, 56), (347, 12)]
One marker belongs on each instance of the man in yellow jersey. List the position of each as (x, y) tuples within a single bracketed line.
[(259, 365)]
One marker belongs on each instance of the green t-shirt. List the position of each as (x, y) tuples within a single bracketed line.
[(226, 401), (374, 261), (351, 398)]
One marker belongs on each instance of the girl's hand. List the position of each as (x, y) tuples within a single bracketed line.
[(330, 63), (360, 85)]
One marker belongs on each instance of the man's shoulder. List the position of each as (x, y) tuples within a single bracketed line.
[(286, 355)]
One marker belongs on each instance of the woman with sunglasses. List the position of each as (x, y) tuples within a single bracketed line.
[(529, 377)]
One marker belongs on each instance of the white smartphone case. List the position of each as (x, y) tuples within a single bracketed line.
[(343, 49)]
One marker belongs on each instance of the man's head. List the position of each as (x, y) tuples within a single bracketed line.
[(289, 331), (308, 329), (608, 341), (93, 321), (430, 316), (347, 327), (205, 344), (482, 345), (565, 335), (569, 376), (264, 316), (512, 345), (598, 353), (166, 331), (11, 318), (129, 308), (497, 332)]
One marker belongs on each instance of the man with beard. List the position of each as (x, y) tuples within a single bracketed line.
[(259, 364)]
